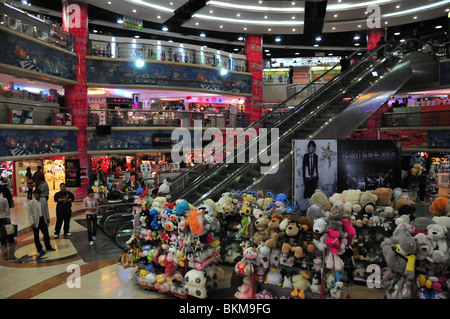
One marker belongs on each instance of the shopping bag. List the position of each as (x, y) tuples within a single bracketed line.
[(11, 230)]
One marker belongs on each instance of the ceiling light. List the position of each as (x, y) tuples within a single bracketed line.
[(119, 21), (415, 18), (170, 40), (154, 6), (293, 3), (134, 10), (196, 23), (241, 38), (357, 37), (386, 22), (266, 50), (334, 28), (349, 6), (293, 30), (140, 63), (223, 72), (137, 36), (245, 7), (278, 39), (260, 1), (330, 54), (293, 17), (319, 39), (210, 11), (202, 35), (159, 17), (269, 30), (236, 49), (265, 17), (268, 54), (335, 15), (171, 3), (242, 21), (316, 45), (238, 15), (397, 7), (397, 33), (221, 26), (109, 2), (402, 40), (375, 73), (245, 29), (95, 31), (438, 27), (357, 44), (416, 9), (359, 26), (165, 29), (297, 53)]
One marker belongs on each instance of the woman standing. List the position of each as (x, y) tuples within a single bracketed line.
[(30, 183), (4, 218), (90, 204)]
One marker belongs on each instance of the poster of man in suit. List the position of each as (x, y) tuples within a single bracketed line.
[(315, 167)]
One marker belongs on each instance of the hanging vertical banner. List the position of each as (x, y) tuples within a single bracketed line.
[(72, 169)]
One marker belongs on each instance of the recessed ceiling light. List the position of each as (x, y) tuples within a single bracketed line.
[(241, 38), (278, 39), (293, 3), (137, 36), (265, 17), (268, 54), (319, 39), (171, 3), (402, 40), (357, 37), (236, 49), (415, 18), (221, 26), (293, 30), (357, 44), (238, 15), (196, 23), (447, 10), (245, 28), (334, 28), (297, 53), (293, 17), (134, 10), (260, 1), (202, 35), (165, 29), (397, 33), (316, 45), (109, 2), (95, 31), (397, 7), (438, 27), (335, 15), (269, 29), (330, 54), (359, 26), (119, 21), (266, 50), (170, 40)]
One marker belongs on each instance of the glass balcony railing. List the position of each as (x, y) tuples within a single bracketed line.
[(417, 119)]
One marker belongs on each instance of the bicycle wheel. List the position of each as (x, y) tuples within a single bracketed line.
[(112, 222), (123, 234)]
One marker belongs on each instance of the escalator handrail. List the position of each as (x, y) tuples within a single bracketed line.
[(310, 116), (260, 120), (199, 179)]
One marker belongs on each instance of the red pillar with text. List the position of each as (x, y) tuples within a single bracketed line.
[(75, 21), (373, 36), (253, 51)]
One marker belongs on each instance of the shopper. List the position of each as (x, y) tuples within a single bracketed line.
[(64, 199), (310, 170), (43, 187), (291, 74), (90, 204), (30, 183), (39, 218), (422, 186), (37, 176), (4, 219)]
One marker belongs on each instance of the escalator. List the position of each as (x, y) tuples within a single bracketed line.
[(333, 112)]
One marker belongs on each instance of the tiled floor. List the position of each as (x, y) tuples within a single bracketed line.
[(23, 276)]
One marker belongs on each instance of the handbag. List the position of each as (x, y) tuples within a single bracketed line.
[(11, 230)]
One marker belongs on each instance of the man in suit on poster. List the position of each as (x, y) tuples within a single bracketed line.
[(310, 170)]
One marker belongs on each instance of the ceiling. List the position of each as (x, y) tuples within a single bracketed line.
[(296, 24)]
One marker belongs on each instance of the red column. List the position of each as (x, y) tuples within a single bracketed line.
[(373, 36), (253, 51), (75, 21)]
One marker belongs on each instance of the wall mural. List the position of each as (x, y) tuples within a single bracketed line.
[(158, 74), (33, 56)]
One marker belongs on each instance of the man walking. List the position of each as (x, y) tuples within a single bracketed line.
[(39, 219), (64, 199)]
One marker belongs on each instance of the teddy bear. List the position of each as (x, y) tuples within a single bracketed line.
[(388, 216), (400, 258), (274, 230), (424, 246), (336, 197), (291, 240), (444, 221), (262, 230), (437, 234), (245, 291), (314, 212), (368, 197), (306, 234), (319, 231), (333, 242), (384, 196), (352, 196), (321, 199), (263, 255), (439, 206)]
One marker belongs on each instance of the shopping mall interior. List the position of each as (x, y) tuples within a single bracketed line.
[(233, 150)]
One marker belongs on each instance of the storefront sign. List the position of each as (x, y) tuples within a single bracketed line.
[(72, 169), (132, 23)]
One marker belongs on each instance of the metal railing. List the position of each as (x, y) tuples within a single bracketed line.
[(417, 119), (169, 53)]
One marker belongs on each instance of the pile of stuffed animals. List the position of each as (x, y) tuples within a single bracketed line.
[(175, 247)]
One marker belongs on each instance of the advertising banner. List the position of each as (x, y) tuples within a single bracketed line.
[(72, 170)]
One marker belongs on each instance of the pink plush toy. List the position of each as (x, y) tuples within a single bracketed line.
[(334, 244), (349, 229)]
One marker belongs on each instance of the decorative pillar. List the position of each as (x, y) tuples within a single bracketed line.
[(253, 51), (373, 36), (75, 21)]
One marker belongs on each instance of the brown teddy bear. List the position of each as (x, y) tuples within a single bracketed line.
[(384, 196), (306, 227), (291, 240), (439, 206), (274, 230), (262, 230)]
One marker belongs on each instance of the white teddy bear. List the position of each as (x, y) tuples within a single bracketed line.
[(437, 234)]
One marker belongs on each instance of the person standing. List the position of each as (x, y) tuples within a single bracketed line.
[(39, 219), (37, 176), (43, 187), (30, 183), (64, 199), (90, 204), (4, 218), (310, 170)]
